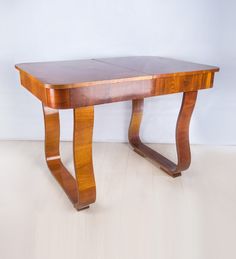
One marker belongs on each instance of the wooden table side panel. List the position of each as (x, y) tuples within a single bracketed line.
[(183, 83), (99, 94), (123, 91), (34, 86)]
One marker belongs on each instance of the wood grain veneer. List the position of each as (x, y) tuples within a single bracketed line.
[(81, 190), (81, 84)]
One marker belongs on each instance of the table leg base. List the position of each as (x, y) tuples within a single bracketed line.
[(162, 162), (81, 190), (174, 175), (81, 208), (182, 136)]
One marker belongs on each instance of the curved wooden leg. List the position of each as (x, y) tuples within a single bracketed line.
[(182, 136), (82, 146), (82, 190)]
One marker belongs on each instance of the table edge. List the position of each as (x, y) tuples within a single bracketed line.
[(113, 81)]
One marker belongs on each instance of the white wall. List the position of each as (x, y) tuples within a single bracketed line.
[(195, 30)]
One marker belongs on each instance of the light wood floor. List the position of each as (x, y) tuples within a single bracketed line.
[(140, 213)]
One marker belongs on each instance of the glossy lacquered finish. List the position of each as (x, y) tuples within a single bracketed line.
[(182, 136), (81, 84), (71, 84), (82, 190)]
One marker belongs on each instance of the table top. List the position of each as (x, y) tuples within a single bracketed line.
[(78, 73)]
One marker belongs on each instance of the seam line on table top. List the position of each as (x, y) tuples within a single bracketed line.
[(115, 65), (154, 75)]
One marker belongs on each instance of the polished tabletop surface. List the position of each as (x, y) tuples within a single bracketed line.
[(76, 73)]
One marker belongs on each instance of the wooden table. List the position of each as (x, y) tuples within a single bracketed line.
[(81, 84)]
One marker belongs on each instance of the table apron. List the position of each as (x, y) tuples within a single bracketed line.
[(122, 91)]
